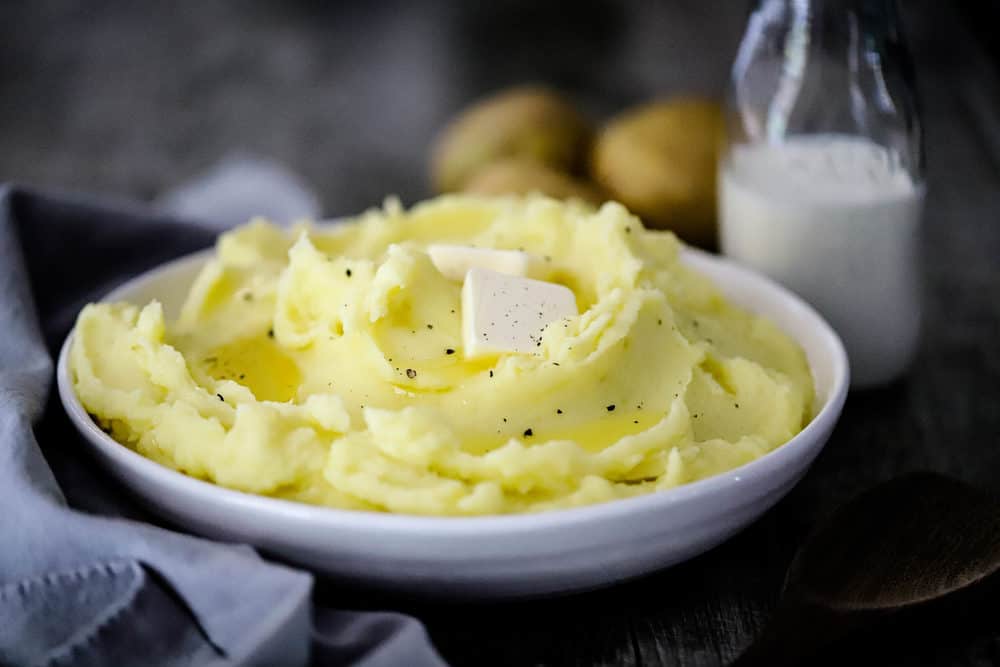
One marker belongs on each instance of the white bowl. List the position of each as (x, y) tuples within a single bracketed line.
[(501, 556)]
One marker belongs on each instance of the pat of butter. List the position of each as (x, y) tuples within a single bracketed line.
[(454, 261), (503, 313)]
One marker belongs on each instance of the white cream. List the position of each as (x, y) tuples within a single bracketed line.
[(502, 313), (837, 220)]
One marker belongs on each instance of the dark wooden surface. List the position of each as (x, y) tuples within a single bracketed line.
[(131, 98)]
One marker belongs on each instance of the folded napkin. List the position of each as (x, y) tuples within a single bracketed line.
[(83, 580)]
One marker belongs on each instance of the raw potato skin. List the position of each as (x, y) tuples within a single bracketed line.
[(523, 177), (660, 161), (531, 123), (325, 365)]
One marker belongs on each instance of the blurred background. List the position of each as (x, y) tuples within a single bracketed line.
[(131, 99)]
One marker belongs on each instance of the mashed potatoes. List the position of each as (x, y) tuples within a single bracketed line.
[(325, 365)]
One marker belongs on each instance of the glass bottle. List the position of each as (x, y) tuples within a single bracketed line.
[(821, 183)]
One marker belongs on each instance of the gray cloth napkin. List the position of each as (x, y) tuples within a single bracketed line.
[(239, 187), (83, 580)]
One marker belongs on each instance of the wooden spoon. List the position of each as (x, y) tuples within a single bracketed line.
[(914, 539)]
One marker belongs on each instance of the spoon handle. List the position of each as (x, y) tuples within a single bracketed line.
[(797, 631)]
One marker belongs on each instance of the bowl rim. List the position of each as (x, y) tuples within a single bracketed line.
[(810, 437)]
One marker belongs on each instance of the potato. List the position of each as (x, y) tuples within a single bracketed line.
[(660, 161), (526, 122), (521, 177)]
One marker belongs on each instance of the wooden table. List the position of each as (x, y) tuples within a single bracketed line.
[(132, 99)]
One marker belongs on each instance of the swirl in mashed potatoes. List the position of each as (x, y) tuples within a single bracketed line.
[(325, 364)]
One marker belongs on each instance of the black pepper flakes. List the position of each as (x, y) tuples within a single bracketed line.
[(635, 421), (737, 406), (221, 398), (628, 230), (558, 411), (430, 326), (270, 333), (528, 433), (611, 408), (491, 373), (449, 351), (243, 376), (410, 373), (348, 273)]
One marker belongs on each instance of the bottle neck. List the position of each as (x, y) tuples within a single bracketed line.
[(877, 19), (827, 67)]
